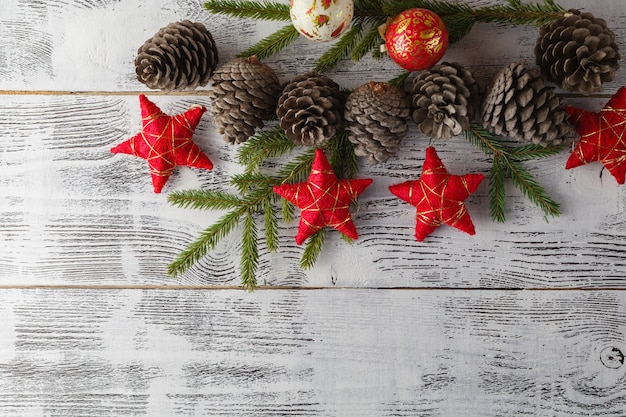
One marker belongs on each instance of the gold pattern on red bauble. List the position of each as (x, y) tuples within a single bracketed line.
[(416, 39)]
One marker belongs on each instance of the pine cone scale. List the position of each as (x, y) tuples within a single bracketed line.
[(444, 99), (578, 52), (181, 55), (244, 94), (519, 105), (376, 115)]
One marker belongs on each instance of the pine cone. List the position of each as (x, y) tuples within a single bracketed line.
[(577, 52), (376, 115), (518, 104), (445, 98), (181, 56), (310, 108), (243, 95)]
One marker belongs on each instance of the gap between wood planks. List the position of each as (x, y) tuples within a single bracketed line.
[(177, 93), (296, 288)]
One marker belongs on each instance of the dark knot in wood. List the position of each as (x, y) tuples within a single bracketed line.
[(612, 357)]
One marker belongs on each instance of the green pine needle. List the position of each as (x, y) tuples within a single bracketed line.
[(260, 10), (273, 43), (206, 242), (528, 152), (287, 210), (298, 169), (485, 140), (342, 157), (204, 200), (400, 79), (529, 186), (506, 164), (312, 249), (247, 181), (270, 143), (497, 191), (341, 49), (249, 252), (370, 41), (271, 226)]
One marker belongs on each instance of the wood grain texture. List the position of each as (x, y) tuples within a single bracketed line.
[(76, 214), (312, 353), (464, 343)]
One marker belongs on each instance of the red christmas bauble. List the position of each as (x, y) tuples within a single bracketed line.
[(416, 39)]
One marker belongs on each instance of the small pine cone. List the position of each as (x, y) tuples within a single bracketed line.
[(181, 56), (243, 95), (310, 108), (519, 105), (577, 52), (445, 99), (376, 115)]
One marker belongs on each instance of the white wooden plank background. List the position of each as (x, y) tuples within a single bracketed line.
[(520, 319), (312, 353)]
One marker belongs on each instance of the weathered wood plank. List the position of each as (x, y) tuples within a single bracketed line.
[(73, 213), (80, 45), (312, 353)]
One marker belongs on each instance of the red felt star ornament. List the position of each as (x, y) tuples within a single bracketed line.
[(323, 200), (602, 136), (165, 142), (438, 196)]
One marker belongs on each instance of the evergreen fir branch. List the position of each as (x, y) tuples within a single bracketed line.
[(517, 13), (529, 186), (342, 157), (532, 151), (287, 210), (206, 242), (341, 49), (260, 10), (347, 239), (270, 143), (400, 79), (298, 169), (246, 181), (458, 25), (249, 252), (273, 43), (506, 163), (204, 200), (497, 191), (271, 226), (485, 140), (370, 41), (440, 7), (312, 249)]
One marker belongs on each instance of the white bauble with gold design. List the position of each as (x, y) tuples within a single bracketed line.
[(321, 20)]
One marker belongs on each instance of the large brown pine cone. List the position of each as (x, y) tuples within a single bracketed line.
[(310, 109), (376, 115), (180, 56), (519, 105), (444, 100), (577, 52), (243, 94)]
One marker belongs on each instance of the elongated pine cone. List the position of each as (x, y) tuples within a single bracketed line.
[(243, 95), (444, 100), (519, 105), (310, 109), (376, 115), (180, 56), (577, 52)]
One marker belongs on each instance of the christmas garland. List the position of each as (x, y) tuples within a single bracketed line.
[(371, 120)]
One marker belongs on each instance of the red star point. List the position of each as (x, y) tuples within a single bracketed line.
[(602, 136), (438, 196), (323, 200), (165, 142)]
